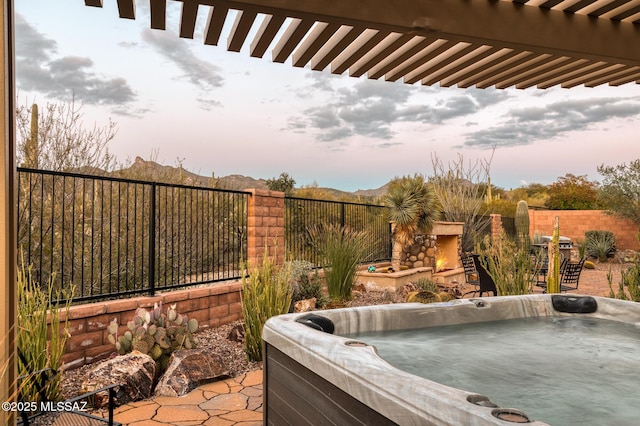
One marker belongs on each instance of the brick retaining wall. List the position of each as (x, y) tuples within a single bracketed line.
[(212, 306)]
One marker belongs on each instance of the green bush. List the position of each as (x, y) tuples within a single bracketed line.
[(266, 293), (42, 334), (155, 333), (342, 250), (304, 284), (600, 244)]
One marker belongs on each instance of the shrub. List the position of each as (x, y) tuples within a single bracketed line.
[(42, 334), (266, 293), (426, 284), (629, 286), (155, 333), (304, 286), (512, 269), (342, 250), (600, 244)]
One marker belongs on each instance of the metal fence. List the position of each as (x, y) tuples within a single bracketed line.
[(302, 213), (108, 237)]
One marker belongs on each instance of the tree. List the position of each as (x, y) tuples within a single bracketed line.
[(535, 194), (620, 190), (461, 191), (62, 142), (283, 183), (412, 208), (573, 193)]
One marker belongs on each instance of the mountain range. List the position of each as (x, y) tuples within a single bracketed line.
[(150, 170)]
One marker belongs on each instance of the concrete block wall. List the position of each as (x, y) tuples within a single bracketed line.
[(212, 306), (574, 223)]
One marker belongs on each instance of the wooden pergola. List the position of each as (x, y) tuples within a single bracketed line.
[(464, 43)]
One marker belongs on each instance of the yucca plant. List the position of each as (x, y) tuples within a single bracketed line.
[(341, 250), (265, 293), (412, 208), (42, 333)]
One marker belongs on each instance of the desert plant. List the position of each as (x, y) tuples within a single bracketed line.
[(582, 250), (629, 285), (306, 283), (461, 188), (522, 225), (600, 244), (42, 333), (265, 293), (427, 285), (553, 279), (412, 208), (155, 333), (513, 270), (341, 250)]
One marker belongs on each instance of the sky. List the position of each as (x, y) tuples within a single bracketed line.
[(178, 101)]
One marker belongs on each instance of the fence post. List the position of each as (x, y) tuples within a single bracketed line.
[(152, 241), (265, 226)]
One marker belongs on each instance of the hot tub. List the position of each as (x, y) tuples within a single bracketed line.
[(321, 368)]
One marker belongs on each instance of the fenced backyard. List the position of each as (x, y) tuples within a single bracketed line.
[(107, 237)]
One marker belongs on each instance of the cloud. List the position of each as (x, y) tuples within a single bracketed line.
[(61, 78), (373, 108), (527, 125), (203, 75)]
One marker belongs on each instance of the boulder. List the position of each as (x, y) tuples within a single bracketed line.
[(305, 305), (135, 372), (188, 369)]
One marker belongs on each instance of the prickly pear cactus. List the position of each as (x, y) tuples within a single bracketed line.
[(522, 225), (155, 333)]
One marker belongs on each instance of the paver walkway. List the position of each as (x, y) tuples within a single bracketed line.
[(238, 401)]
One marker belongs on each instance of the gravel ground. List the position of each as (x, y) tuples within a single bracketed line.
[(217, 340)]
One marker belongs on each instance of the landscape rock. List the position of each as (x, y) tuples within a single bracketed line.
[(188, 369), (135, 372), (305, 305)]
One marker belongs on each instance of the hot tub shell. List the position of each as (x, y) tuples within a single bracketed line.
[(313, 377)]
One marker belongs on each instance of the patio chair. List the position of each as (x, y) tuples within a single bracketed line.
[(542, 283), (571, 275), (485, 282), (470, 273), (65, 413), (540, 270)]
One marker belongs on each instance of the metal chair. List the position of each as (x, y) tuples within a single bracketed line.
[(68, 412), (484, 281), (571, 275), (470, 273)]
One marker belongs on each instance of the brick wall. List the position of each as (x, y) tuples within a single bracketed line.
[(265, 228), (574, 223), (212, 306)]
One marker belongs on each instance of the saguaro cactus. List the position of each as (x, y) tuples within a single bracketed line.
[(553, 280), (522, 224), (31, 149)]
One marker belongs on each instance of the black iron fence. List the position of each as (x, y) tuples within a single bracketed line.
[(303, 213), (108, 237)]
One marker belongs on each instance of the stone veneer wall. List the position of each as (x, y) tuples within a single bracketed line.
[(423, 252), (212, 306)]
